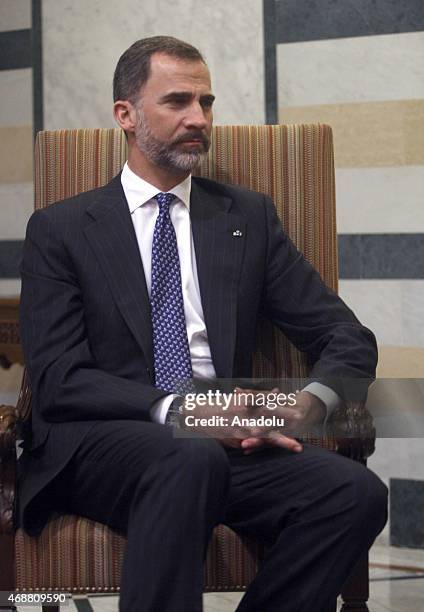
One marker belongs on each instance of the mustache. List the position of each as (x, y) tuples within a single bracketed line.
[(193, 135)]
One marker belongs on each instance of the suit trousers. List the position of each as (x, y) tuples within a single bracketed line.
[(316, 511)]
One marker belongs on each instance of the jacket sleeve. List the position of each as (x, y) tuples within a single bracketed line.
[(342, 352), (65, 381)]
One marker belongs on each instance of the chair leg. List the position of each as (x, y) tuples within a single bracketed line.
[(355, 592), (7, 574), (7, 556)]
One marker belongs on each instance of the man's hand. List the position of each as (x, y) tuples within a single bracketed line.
[(218, 418), (299, 418), (311, 412), (308, 412)]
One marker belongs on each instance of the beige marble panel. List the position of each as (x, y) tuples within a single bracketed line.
[(393, 310), (378, 305), (413, 315), (380, 200), (400, 362), (16, 154), (398, 458), (360, 69), (16, 206), (9, 287), (82, 42), (16, 97), (15, 15), (369, 134)]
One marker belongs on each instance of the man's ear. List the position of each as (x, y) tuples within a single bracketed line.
[(125, 115)]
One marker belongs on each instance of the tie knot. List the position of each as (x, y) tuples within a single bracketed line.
[(164, 200)]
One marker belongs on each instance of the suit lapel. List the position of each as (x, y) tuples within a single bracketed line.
[(113, 239), (219, 238)]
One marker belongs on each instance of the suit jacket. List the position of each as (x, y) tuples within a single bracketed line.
[(85, 313)]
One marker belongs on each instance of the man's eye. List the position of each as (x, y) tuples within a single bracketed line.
[(207, 103)]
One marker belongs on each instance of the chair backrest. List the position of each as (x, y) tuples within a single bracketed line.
[(293, 164)]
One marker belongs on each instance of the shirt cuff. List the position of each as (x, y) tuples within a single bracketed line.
[(160, 408), (326, 395)]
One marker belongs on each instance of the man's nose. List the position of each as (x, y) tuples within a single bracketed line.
[(196, 117)]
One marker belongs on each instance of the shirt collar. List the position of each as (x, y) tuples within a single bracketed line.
[(138, 191)]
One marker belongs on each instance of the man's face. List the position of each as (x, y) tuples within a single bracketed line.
[(174, 113)]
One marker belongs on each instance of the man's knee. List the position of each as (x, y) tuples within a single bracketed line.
[(353, 495), (371, 496), (204, 457), (191, 470)]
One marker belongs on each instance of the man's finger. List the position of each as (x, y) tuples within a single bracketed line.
[(277, 439), (249, 445)]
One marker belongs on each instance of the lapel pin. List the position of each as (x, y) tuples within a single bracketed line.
[(237, 233)]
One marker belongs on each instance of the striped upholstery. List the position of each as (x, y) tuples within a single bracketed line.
[(74, 554), (294, 165)]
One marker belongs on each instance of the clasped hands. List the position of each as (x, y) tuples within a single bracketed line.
[(306, 413)]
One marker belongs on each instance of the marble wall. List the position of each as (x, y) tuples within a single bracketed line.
[(360, 69), (82, 42), (362, 72), (15, 15), (359, 66), (16, 187)]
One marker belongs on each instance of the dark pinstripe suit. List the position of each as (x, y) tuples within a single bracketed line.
[(86, 327)]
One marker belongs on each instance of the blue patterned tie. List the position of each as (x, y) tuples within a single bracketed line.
[(170, 343)]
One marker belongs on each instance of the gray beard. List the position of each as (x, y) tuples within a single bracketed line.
[(165, 155)]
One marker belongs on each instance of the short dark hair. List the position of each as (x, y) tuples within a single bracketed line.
[(133, 67)]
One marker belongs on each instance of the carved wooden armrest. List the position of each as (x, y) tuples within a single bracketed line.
[(8, 430), (9, 419), (352, 426)]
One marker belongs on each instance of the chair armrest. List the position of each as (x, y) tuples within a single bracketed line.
[(23, 405), (352, 427), (8, 433)]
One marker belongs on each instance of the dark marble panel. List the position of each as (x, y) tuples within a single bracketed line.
[(350, 261), (392, 256), (270, 62), (10, 258), (361, 256), (406, 513), (37, 68), (383, 256), (301, 20), (15, 49)]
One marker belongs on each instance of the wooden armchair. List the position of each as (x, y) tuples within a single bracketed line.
[(294, 165)]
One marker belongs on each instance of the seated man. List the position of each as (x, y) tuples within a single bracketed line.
[(160, 277)]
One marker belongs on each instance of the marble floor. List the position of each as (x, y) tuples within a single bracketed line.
[(396, 585)]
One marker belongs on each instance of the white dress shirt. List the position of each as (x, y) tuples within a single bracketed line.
[(144, 210)]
